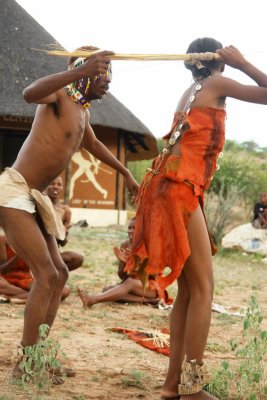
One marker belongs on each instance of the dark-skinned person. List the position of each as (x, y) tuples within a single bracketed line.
[(61, 126), (171, 229)]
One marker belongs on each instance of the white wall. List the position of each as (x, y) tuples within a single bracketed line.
[(98, 217)]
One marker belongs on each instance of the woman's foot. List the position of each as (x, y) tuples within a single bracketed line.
[(87, 300)]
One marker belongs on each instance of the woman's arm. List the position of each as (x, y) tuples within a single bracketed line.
[(232, 57)]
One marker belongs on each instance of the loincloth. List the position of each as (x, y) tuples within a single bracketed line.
[(15, 193)]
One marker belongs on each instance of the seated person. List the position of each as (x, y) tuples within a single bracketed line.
[(9, 291), (260, 213), (129, 289), (15, 276), (72, 259)]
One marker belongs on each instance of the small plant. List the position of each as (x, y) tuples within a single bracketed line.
[(220, 381), (253, 380), (135, 378), (248, 379), (40, 365)]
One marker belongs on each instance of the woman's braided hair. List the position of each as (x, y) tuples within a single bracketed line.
[(203, 45)]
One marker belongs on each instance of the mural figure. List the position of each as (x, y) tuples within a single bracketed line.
[(90, 168)]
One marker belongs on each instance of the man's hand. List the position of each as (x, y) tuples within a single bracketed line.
[(131, 185), (232, 56), (122, 254), (96, 64)]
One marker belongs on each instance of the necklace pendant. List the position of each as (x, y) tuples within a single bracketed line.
[(172, 141), (165, 151)]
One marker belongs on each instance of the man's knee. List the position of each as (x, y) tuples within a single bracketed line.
[(73, 259), (49, 280), (65, 292), (76, 260), (79, 259), (63, 272)]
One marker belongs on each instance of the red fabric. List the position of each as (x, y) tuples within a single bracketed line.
[(167, 200), (162, 294), (20, 275), (139, 337)]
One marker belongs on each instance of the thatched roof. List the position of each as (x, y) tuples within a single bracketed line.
[(19, 65)]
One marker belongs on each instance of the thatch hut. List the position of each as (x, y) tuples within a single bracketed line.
[(97, 191)]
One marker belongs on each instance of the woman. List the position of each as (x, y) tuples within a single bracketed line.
[(170, 228)]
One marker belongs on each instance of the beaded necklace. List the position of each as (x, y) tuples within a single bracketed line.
[(76, 96), (178, 128)]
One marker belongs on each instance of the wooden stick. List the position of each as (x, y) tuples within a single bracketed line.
[(137, 57)]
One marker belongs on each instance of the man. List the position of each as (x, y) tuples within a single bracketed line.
[(72, 259), (260, 212), (60, 127), (129, 289), (8, 291), (15, 276)]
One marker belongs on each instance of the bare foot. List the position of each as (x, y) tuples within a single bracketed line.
[(87, 300), (202, 395), (17, 372), (69, 372), (56, 374)]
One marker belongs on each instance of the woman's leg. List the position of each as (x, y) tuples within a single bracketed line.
[(199, 276), (190, 318), (177, 339)]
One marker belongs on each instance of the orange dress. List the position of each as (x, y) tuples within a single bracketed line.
[(20, 275), (168, 198)]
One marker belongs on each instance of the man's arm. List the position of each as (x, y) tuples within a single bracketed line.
[(67, 217), (100, 151), (44, 90)]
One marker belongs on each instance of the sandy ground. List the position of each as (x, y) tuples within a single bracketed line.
[(108, 364)]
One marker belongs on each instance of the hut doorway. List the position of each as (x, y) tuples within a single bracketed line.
[(10, 144)]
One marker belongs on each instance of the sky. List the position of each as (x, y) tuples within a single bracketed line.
[(151, 89)]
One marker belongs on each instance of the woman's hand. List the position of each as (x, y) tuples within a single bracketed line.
[(232, 56)]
